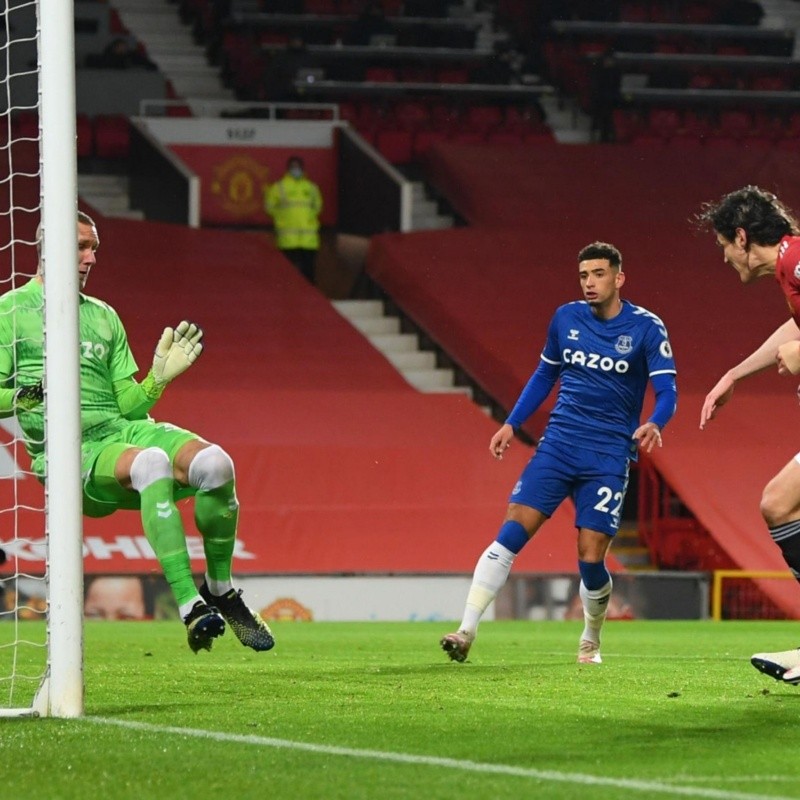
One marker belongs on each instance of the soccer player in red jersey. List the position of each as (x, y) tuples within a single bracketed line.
[(760, 236)]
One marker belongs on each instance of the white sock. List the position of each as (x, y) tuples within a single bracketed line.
[(491, 572), (185, 608), (218, 588), (595, 606)]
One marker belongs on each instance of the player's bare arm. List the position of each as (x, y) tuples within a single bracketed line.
[(761, 358), (788, 358), (648, 436), (501, 441)]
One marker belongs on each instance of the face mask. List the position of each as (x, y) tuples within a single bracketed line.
[(295, 171)]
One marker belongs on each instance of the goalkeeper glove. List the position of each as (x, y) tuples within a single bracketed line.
[(28, 397), (176, 351)]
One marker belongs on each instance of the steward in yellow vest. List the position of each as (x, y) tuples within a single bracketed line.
[(294, 202)]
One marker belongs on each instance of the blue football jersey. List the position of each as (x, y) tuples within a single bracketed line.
[(604, 368)]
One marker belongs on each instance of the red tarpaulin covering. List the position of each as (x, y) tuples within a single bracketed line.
[(487, 294), (341, 466)]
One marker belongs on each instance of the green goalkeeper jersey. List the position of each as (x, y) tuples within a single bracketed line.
[(105, 358)]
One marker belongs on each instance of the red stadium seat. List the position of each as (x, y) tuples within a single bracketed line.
[(412, 115), (380, 75), (664, 122), (504, 136), (112, 136), (425, 139), (25, 125), (467, 137), (453, 75), (396, 146), (735, 123), (85, 136), (626, 124), (484, 118), (687, 140)]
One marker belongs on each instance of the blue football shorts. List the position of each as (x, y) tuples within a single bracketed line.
[(596, 482)]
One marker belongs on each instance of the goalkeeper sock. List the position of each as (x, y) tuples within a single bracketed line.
[(216, 514), (163, 528), (491, 572)]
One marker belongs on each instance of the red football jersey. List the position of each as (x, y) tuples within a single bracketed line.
[(787, 271)]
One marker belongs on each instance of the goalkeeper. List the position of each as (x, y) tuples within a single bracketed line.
[(129, 461)]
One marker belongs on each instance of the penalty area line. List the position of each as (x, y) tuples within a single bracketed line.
[(552, 776)]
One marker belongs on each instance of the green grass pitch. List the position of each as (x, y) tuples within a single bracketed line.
[(375, 710)]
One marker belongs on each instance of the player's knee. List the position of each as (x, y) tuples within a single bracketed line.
[(774, 507), (149, 465), (211, 468)]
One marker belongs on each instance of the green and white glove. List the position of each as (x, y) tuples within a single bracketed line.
[(176, 351)]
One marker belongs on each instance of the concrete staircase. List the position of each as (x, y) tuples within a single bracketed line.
[(170, 46), (417, 366), (425, 214), (629, 550), (108, 194)]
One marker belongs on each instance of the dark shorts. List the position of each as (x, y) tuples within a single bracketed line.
[(596, 483)]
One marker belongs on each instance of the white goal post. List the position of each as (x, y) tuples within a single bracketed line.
[(60, 690)]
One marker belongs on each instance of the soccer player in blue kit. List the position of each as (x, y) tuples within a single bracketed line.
[(604, 351)]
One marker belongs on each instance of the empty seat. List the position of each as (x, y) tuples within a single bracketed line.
[(380, 75), (25, 125), (83, 125), (412, 114), (735, 123), (664, 122), (111, 136), (425, 139), (453, 75), (484, 118), (396, 146)]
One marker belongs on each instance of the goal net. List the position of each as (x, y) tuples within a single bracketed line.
[(41, 641)]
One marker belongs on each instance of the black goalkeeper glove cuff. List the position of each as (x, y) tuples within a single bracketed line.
[(28, 397)]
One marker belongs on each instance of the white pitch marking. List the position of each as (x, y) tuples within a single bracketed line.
[(447, 763)]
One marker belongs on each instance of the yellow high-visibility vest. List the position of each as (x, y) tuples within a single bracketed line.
[(294, 205)]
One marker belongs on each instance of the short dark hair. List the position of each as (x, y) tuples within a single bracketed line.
[(602, 250), (294, 160), (764, 218)]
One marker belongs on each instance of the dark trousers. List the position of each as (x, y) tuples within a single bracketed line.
[(305, 261)]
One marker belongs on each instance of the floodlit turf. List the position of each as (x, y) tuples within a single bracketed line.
[(376, 710)]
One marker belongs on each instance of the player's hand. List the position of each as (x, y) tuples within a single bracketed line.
[(176, 351), (501, 441), (28, 397), (716, 398), (788, 358), (648, 436)]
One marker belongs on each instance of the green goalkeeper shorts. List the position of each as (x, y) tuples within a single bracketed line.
[(102, 492)]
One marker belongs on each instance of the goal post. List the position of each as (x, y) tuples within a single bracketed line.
[(61, 694), (59, 675)]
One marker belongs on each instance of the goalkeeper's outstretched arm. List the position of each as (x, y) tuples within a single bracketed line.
[(176, 351)]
